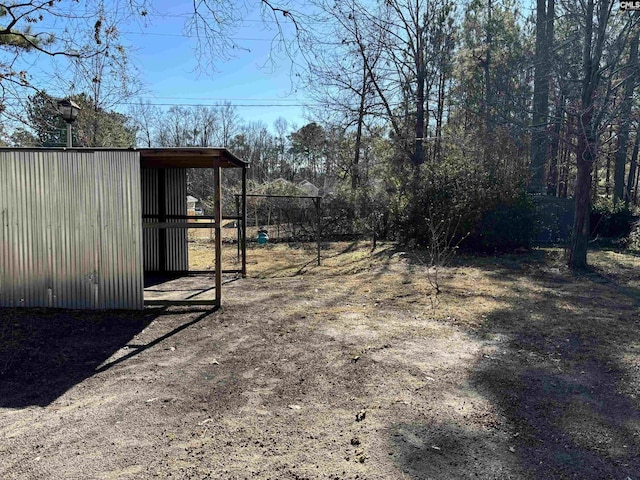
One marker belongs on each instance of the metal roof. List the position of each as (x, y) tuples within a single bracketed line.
[(169, 157), (189, 158)]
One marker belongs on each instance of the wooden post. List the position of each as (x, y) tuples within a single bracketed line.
[(244, 222), (317, 202), (238, 232), (217, 212)]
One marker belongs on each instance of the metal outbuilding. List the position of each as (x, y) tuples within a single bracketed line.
[(80, 228)]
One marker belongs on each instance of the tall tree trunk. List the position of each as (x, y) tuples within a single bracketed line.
[(632, 170), (440, 113), (625, 114), (539, 137), (587, 131), (561, 190), (420, 114), (594, 182), (580, 236), (637, 185), (607, 173), (488, 100), (564, 186), (554, 174), (355, 174)]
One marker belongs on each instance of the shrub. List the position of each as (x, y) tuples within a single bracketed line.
[(505, 227), (611, 221), (633, 240)]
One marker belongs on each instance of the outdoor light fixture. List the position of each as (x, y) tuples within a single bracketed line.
[(69, 111)]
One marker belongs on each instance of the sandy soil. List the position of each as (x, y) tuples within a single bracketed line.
[(352, 370)]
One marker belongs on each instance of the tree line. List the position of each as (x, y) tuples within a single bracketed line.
[(425, 111)]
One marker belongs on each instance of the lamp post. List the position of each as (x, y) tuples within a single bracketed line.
[(69, 111)]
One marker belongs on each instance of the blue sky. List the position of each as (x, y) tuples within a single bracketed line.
[(164, 55), (169, 67)]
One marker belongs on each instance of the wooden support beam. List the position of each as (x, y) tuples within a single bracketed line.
[(194, 217), (183, 225), (217, 207), (182, 217), (244, 222), (169, 303), (317, 204), (238, 224), (183, 273)]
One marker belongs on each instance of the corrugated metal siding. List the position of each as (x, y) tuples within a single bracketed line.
[(175, 183), (71, 230), (150, 207), (176, 204)]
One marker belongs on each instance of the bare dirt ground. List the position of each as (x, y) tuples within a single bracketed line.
[(352, 370)]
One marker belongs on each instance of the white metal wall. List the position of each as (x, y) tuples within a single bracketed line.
[(70, 229)]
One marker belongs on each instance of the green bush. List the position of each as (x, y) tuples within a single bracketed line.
[(505, 227), (611, 221), (633, 240)]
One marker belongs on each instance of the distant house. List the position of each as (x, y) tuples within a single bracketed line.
[(191, 205), (281, 181), (282, 186), (309, 188)]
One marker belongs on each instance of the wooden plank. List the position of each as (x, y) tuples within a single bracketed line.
[(169, 303), (244, 222), (165, 225), (279, 196), (238, 231), (183, 217), (317, 203), (217, 211), (183, 273)]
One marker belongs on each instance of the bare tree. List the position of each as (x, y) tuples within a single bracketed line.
[(281, 127), (27, 32), (228, 123), (340, 75), (602, 40), (631, 72), (213, 23), (404, 78), (145, 118)]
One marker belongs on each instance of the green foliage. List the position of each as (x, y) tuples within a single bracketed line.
[(95, 127), (339, 216), (477, 187), (505, 227), (45, 121), (555, 218), (611, 220), (633, 240), (23, 138), (24, 39), (510, 52)]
